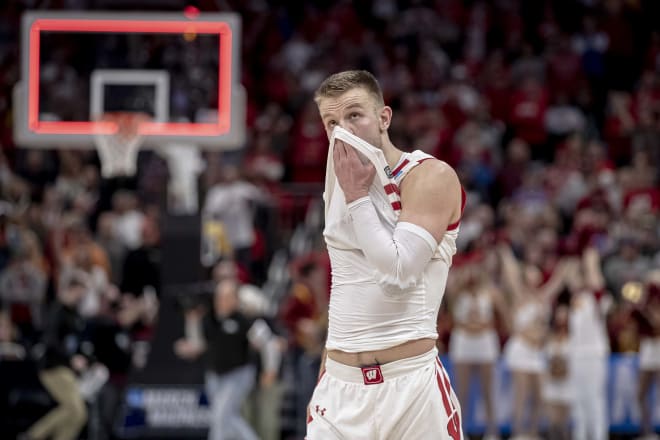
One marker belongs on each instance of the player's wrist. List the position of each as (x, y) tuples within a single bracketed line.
[(357, 199), (356, 194)]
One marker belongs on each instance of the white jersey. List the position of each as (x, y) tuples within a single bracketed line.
[(365, 314)]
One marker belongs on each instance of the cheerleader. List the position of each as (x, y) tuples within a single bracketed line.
[(474, 343)]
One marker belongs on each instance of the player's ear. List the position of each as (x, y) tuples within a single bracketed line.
[(385, 118)]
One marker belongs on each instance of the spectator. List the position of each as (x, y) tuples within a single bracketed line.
[(649, 352), (127, 219), (304, 314), (69, 183), (63, 356), (226, 336), (84, 255), (309, 147), (114, 332), (10, 347), (252, 300), (262, 165), (141, 268), (529, 103), (627, 264), (23, 285), (74, 246), (589, 347), (517, 160), (523, 351), (474, 345), (557, 387), (230, 201), (113, 247)]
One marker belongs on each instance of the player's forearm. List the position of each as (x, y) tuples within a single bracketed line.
[(399, 258)]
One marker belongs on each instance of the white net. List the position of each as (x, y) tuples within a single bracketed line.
[(118, 150)]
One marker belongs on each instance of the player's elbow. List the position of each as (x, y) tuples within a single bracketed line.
[(401, 274)]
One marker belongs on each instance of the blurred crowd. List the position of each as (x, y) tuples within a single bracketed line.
[(548, 110)]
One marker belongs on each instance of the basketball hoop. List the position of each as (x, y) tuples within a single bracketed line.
[(118, 149)]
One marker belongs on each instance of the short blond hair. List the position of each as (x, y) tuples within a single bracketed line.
[(339, 83)]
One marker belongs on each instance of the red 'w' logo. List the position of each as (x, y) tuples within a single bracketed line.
[(372, 375)]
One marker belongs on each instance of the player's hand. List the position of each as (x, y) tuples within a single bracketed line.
[(354, 176)]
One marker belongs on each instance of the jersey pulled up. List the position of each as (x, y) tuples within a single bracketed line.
[(366, 314)]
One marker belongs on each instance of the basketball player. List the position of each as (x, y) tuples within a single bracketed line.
[(381, 377)]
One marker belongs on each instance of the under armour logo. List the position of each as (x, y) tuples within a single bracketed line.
[(372, 375), (320, 411)]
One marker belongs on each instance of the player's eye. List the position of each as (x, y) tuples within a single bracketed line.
[(354, 115), (331, 124)]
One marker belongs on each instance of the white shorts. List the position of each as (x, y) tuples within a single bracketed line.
[(649, 354), (522, 357), (474, 348), (407, 399)]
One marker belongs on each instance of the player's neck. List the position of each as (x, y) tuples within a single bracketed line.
[(392, 154)]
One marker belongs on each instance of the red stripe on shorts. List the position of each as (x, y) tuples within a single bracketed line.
[(454, 422), (443, 392)]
